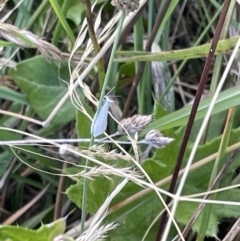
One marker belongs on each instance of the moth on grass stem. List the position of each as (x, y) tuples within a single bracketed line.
[(99, 123)]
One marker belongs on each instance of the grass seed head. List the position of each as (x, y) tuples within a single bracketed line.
[(95, 151), (134, 124), (155, 139), (27, 39), (126, 5)]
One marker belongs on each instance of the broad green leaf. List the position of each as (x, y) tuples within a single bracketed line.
[(136, 217), (53, 229), (41, 82), (216, 124), (163, 161), (75, 11), (32, 222), (45, 233), (225, 100), (98, 190)]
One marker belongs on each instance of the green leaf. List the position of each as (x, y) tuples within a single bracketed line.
[(41, 81), (163, 161), (83, 123), (225, 100), (189, 53), (127, 69), (98, 190), (135, 218), (185, 211), (75, 11), (45, 233), (215, 127), (35, 220), (9, 94), (62, 20)]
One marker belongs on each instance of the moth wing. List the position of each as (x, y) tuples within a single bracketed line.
[(100, 123)]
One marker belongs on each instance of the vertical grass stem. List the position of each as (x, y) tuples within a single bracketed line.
[(106, 80)]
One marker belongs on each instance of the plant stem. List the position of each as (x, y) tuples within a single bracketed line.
[(114, 48)]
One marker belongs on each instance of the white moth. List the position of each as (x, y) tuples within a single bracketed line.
[(99, 123)]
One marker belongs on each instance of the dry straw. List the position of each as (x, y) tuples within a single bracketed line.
[(104, 172)]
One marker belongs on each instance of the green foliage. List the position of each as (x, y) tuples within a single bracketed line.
[(40, 81), (142, 211), (39, 85), (83, 124), (225, 100), (44, 233), (98, 190)]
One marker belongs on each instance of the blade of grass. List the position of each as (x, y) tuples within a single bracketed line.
[(109, 69), (164, 232), (9, 94), (159, 23), (226, 134), (58, 28), (225, 100), (138, 46), (63, 20)]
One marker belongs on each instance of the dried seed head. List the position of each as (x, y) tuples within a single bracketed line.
[(156, 139), (95, 151), (99, 151), (126, 5), (134, 124), (27, 39), (106, 172), (63, 150)]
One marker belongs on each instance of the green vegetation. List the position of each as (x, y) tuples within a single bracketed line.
[(154, 60)]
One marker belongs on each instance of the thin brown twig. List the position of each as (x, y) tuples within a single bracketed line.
[(100, 64), (59, 197), (203, 80), (124, 34)]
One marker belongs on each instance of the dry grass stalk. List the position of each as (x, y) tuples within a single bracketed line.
[(94, 151), (8, 63), (95, 231), (27, 39), (63, 237), (99, 234), (106, 172), (155, 139), (126, 5), (2, 4), (134, 124)]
